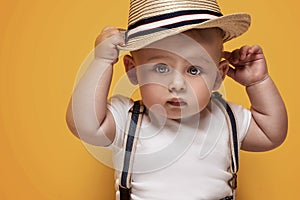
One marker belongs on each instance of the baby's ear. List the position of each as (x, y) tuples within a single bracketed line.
[(130, 69), (222, 72)]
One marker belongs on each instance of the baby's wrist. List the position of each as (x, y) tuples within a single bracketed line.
[(104, 61), (266, 76), (105, 58)]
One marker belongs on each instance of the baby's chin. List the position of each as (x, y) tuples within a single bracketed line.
[(176, 111), (182, 116)]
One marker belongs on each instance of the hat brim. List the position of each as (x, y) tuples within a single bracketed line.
[(233, 26)]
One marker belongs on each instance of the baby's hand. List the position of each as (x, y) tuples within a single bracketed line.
[(249, 65), (107, 42)]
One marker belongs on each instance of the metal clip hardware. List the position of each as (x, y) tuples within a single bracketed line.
[(233, 181)]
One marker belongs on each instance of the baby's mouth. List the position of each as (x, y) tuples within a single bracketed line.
[(177, 102)]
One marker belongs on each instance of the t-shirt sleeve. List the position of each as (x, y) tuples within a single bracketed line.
[(119, 106), (243, 118)]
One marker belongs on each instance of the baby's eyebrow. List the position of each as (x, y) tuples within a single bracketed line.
[(205, 60), (199, 61)]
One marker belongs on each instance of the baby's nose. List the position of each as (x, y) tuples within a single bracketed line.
[(177, 84)]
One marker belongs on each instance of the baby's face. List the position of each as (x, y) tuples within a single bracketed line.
[(177, 74)]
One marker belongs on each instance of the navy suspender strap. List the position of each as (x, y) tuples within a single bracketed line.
[(134, 120), (233, 137), (131, 136)]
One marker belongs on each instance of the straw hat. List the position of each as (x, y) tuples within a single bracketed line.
[(152, 20)]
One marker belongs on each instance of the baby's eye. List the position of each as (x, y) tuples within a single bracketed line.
[(194, 70), (161, 68)]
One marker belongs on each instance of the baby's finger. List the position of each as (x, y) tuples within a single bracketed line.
[(117, 39), (244, 50), (235, 57), (108, 29), (231, 73), (226, 55), (110, 32), (112, 35), (255, 49), (121, 29)]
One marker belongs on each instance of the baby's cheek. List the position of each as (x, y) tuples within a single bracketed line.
[(200, 93), (209, 80), (151, 93)]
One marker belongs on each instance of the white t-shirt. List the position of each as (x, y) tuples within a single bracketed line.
[(174, 160)]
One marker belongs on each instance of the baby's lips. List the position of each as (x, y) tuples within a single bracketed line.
[(177, 102)]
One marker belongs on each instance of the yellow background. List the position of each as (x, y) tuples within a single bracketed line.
[(42, 45)]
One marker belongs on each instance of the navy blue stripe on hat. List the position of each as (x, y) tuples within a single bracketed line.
[(172, 15), (170, 26)]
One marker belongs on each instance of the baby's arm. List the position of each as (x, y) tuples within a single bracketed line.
[(87, 115), (268, 126)]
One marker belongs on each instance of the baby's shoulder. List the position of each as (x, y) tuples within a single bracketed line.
[(119, 106), (120, 101)]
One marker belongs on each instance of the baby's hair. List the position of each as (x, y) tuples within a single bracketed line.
[(209, 34)]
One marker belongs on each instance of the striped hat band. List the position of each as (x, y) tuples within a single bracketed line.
[(169, 21), (152, 20)]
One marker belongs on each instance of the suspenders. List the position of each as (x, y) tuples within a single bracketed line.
[(131, 136), (233, 138), (129, 145)]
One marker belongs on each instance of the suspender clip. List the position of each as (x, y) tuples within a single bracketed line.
[(233, 181)]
